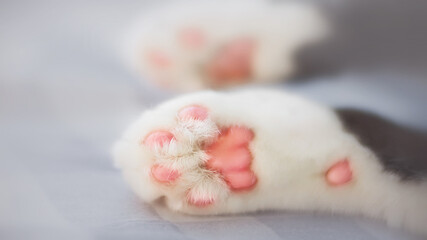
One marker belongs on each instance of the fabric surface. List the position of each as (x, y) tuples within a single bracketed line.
[(65, 98)]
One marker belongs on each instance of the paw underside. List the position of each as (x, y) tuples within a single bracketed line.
[(202, 159), (232, 63), (205, 162)]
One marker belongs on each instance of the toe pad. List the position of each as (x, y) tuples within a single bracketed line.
[(193, 112), (192, 37), (164, 174), (158, 138)]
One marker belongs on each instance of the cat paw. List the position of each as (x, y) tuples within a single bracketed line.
[(230, 63), (198, 159), (200, 45)]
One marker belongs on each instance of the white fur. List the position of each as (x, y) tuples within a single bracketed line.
[(295, 142), (279, 29)]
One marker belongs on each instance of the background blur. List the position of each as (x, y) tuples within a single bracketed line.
[(65, 97)]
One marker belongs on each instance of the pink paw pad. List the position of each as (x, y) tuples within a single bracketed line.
[(164, 174), (158, 138), (159, 59), (193, 112), (192, 37), (231, 157), (339, 174), (199, 201), (234, 62), (240, 180)]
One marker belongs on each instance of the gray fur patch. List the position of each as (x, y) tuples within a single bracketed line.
[(401, 150)]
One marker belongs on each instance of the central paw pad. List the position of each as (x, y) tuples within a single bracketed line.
[(222, 157), (233, 63), (231, 157)]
